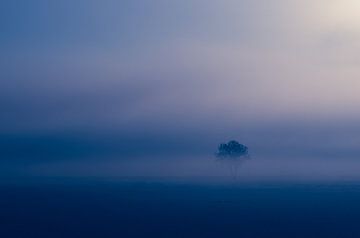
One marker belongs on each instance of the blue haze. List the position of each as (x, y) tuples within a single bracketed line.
[(89, 82), (111, 112)]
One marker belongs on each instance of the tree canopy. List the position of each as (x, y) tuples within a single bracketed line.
[(232, 149)]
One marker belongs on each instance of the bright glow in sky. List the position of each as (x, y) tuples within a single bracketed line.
[(344, 14)]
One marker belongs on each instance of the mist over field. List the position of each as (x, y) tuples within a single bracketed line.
[(112, 113)]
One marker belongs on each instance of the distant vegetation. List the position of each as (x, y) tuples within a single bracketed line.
[(232, 155), (232, 150)]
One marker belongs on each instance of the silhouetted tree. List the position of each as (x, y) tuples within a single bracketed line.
[(232, 154)]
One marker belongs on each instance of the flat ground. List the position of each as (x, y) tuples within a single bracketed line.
[(144, 207)]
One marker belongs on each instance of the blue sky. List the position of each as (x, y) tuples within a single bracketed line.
[(86, 79)]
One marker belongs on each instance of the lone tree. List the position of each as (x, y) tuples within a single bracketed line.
[(232, 155)]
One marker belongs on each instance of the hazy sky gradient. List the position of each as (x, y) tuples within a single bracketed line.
[(105, 78)]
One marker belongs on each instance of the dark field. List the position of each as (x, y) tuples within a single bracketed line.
[(178, 208)]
